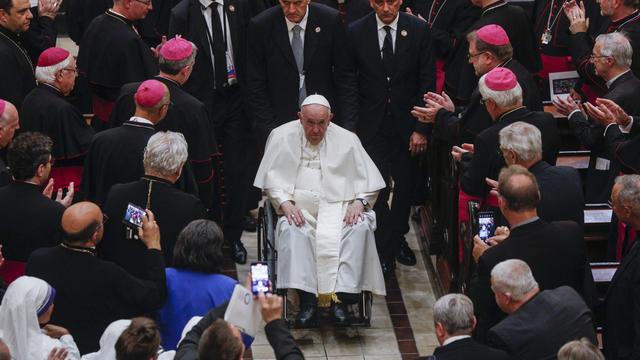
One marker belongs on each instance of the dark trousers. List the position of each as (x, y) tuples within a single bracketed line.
[(389, 151), (231, 128)]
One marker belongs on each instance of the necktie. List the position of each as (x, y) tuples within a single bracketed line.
[(219, 50), (387, 52), (298, 54)]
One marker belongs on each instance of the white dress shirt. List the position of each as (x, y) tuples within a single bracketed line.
[(224, 21), (139, 120), (382, 33), (454, 338), (302, 24)]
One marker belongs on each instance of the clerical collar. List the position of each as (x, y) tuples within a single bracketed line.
[(51, 87), (455, 338), (119, 16), (495, 5), (155, 179), (393, 25), (620, 23), (162, 78), (139, 120), (302, 23), (613, 79), (510, 112), (80, 249), (505, 63)]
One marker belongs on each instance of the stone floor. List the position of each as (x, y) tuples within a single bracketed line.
[(401, 328)]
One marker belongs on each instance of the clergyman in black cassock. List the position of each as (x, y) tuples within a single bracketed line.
[(390, 76), (115, 155), (46, 110), (186, 115), (113, 54), (16, 72), (9, 123)]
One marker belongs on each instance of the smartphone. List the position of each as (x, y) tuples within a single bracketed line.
[(486, 225), (133, 216), (260, 278)]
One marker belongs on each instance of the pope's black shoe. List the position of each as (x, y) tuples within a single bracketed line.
[(307, 317), (339, 313), (238, 252), (405, 255)]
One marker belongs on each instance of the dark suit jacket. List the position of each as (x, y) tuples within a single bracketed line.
[(414, 75), (621, 337), (561, 192), (353, 9), (624, 148), (467, 349), (187, 20), (272, 75), (28, 220), (539, 328), (486, 160), (173, 209), (555, 252), (278, 334)]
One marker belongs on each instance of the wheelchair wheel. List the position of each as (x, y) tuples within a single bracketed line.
[(365, 308)]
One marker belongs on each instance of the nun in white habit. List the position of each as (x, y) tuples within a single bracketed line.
[(321, 179), (27, 304)]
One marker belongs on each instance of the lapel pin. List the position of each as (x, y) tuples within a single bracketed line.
[(232, 8), (403, 33), (318, 29)]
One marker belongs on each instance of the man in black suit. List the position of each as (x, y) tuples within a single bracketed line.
[(561, 196), (9, 123), (218, 29), (28, 219), (115, 155), (621, 337), (502, 97), (173, 208), (295, 50), (390, 67), (555, 251), (539, 323), (611, 60), (454, 323), (91, 292)]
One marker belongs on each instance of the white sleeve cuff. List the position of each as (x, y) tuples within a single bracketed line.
[(573, 112), (627, 128)]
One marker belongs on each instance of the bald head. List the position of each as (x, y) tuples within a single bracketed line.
[(5, 354), (8, 124), (518, 188), (82, 223)]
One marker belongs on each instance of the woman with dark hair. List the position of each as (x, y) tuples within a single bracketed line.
[(139, 341), (194, 284)]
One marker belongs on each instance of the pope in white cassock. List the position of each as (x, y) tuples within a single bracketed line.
[(321, 179)]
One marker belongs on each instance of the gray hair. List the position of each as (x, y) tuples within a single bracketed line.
[(165, 153), (629, 194), (617, 46), (513, 277), (524, 139), (47, 74), (455, 313), (503, 99), (582, 349), (173, 67)]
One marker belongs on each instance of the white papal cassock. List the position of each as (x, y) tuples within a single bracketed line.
[(324, 256)]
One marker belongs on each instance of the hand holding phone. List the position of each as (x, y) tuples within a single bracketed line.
[(133, 216), (486, 225)]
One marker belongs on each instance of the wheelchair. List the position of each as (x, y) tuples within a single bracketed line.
[(359, 313)]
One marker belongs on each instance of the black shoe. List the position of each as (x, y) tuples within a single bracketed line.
[(307, 317), (405, 255), (388, 268), (249, 224), (238, 252), (339, 313)]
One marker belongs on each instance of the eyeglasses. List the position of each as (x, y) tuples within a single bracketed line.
[(593, 57), (470, 55), (483, 101), (145, 2), (71, 69)]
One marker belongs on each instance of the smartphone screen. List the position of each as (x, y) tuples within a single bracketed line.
[(486, 225), (259, 278), (133, 215)]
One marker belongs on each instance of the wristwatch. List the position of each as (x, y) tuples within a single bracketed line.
[(364, 202)]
